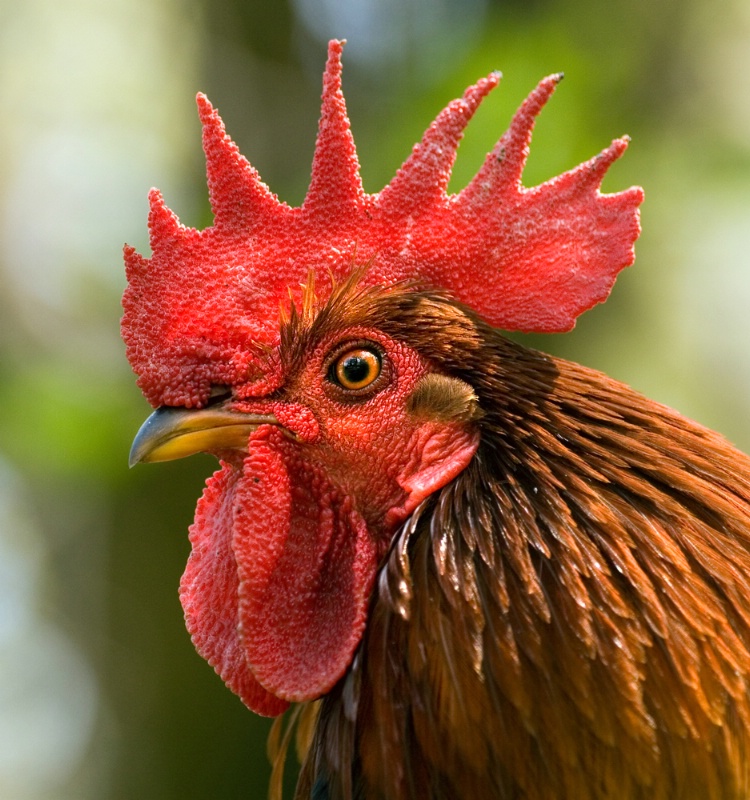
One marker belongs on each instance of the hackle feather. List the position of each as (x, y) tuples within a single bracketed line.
[(566, 619)]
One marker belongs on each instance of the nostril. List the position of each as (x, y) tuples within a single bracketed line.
[(218, 394)]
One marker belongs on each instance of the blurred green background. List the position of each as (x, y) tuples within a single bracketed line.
[(101, 693)]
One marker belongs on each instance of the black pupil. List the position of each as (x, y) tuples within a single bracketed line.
[(356, 369)]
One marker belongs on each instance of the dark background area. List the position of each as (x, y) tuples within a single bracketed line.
[(101, 692)]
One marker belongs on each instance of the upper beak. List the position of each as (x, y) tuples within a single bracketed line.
[(171, 433)]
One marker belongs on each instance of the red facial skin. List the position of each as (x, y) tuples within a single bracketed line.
[(287, 540)]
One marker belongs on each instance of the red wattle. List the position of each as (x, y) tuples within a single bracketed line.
[(209, 594), (306, 564)]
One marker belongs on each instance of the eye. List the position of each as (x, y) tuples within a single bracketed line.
[(356, 368)]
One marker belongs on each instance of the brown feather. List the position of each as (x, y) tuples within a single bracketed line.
[(569, 618)]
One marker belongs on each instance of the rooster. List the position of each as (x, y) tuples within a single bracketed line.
[(480, 571)]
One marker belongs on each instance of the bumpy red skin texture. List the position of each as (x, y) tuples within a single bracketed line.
[(526, 259), (209, 592), (306, 570), (286, 542)]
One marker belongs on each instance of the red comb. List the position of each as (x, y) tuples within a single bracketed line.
[(525, 259)]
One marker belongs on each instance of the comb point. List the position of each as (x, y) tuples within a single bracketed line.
[(335, 185), (239, 198), (424, 176)]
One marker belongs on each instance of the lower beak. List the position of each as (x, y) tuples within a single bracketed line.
[(171, 433)]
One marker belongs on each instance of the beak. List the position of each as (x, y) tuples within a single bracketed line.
[(171, 433)]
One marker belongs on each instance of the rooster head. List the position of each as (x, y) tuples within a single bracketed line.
[(285, 340)]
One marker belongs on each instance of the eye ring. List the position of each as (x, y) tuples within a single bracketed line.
[(356, 368)]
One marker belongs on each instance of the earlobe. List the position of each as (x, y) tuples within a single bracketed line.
[(443, 398), (441, 453)]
